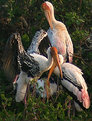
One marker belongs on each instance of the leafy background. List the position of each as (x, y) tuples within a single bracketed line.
[(27, 17)]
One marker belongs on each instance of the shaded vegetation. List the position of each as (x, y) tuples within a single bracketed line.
[(26, 17)]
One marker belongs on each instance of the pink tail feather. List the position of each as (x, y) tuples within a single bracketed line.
[(85, 98)]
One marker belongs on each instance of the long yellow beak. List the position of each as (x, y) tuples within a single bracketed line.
[(47, 12), (56, 62)]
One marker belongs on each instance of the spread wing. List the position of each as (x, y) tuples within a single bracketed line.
[(10, 64), (40, 43)]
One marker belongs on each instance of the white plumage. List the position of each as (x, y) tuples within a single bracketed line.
[(35, 71), (74, 82), (44, 65), (57, 33), (21, 83)]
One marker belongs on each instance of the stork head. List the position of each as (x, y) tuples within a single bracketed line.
[(49, 12)]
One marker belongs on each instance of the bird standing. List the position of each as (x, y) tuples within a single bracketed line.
[(58, 34)]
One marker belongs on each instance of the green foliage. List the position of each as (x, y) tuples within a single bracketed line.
[(26, 17), (73, 19), (25, 40)]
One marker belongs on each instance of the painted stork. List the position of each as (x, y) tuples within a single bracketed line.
[(33, 65), (29, 64), (53, 86), (35, 47), (57, 33), (10, 60), (73, 81), (10, 64), (23, 79)]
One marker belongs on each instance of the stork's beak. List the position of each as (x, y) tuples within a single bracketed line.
[(56, 62), (47, 12)]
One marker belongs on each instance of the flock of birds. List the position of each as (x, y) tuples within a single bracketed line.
[(31, 64)]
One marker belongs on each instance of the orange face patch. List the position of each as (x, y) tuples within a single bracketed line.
[(45, 6)]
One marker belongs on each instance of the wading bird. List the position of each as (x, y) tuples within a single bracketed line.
[(73, 81), (32, 65), (73, 89), (58, 34)]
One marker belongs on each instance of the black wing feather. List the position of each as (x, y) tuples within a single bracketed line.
[(15, 57), (10, 64), (28, 64)]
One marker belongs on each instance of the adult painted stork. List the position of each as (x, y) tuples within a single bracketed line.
[(27, 63), (73, 81), (23, 79), (10, 63), (33, 65), (58, 34), (10, 60)]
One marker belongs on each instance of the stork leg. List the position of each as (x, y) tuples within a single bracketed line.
[(34, 87), (69, 108), (14, 81), (26, 94), (73, 109)]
